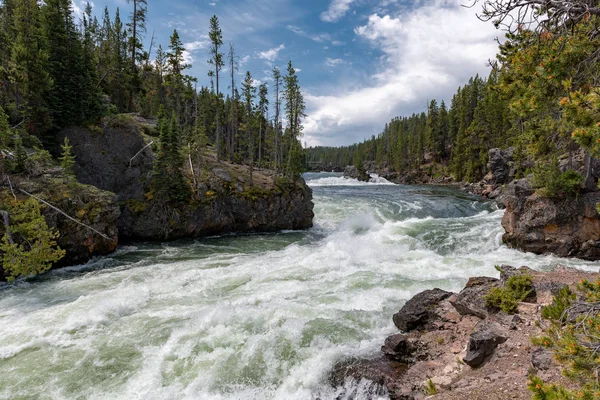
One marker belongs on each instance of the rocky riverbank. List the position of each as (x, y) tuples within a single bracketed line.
[(452, 346)]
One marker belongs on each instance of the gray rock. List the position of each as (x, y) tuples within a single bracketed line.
[(483, 342), (541, 359), (222, 174), (471, 300), (400, 348), (499, 164), (419, 311), (386, 376)]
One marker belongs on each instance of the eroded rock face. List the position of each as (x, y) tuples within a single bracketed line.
[(501, 166), (565, 227), (420, 310)]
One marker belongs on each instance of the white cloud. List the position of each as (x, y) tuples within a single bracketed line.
[(337, 9), (427, 53), (271, 54), (334, 62), (197, 45)]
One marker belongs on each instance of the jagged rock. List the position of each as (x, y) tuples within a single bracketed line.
[(419, 311), (541, 359), (471, 300), (483, 342), (500, 165), (565, 227)]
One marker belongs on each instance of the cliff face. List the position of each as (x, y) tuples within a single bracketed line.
[(565, 227), (118, 159)]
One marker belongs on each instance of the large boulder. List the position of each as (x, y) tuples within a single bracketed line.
[(419, 311), (501, 165), (471, 300), (565, 227), (483, 342)]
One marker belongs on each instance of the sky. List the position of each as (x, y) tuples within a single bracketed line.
[(360, 62)]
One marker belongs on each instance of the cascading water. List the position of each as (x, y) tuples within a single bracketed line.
[(247, 316)]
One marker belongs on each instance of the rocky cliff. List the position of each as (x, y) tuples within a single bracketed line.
[(565, 227), (452, 346), (117, 158)]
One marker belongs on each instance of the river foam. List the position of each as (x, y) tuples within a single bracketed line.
[(248, 316)]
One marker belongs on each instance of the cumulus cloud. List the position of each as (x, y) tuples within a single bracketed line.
[(337, 9), (271, 54), (426, 53)]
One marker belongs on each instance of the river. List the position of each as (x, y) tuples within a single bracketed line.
[(248, 316)]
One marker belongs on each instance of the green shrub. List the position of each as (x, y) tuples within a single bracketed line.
[(430, 389), (572, 335), (517, 289), (551, 182)]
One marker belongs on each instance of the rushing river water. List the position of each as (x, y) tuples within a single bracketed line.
[(247, 316)]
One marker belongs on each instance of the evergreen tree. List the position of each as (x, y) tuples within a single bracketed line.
[(249, 91), (216, 41), (263, 103), (175, 78), (67, 159), (31, 247)]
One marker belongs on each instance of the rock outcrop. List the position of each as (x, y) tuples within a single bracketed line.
[(459, 354), (117, 158), (565, 227)]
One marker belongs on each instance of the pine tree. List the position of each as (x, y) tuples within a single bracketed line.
[(175, 78), (277, 129), (137, 29), (33, 249), (67, 159), (249, 91), (216, 41), (263, 104)]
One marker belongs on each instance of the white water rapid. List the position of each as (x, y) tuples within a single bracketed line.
[(247, 316)]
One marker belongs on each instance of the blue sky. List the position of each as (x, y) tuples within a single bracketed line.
[(360, 62)]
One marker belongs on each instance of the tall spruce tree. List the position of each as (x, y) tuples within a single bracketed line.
[(216, 41)]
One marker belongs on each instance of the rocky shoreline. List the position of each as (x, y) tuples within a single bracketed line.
[(452, 346)]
